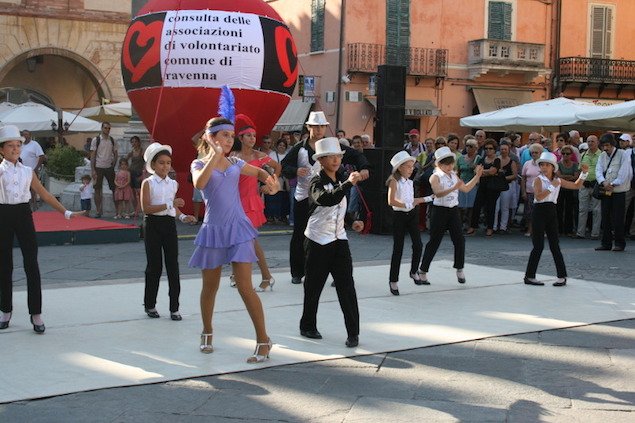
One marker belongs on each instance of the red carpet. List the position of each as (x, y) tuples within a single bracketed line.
[(50, 221), (53, 229)]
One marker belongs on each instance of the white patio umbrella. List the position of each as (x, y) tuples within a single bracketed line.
[(619, 116), (549, 115), (37, 118), (113, 112)]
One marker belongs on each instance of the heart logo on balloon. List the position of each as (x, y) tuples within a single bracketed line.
[(286, 49), (140, 48)]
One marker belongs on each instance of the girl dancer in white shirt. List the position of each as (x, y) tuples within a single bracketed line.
[(16, 183), (545, 216), (445, 213)]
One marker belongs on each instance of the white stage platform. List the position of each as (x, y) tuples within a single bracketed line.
[(99, 337)]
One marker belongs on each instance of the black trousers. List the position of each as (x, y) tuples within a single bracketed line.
[(485, 198), (296, 247), (17, 221), (334, 258), (545, 220), (161, 240), (444, 219), (613, 210), (405, 222)]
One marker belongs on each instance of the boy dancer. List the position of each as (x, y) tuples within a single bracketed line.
[(326, 244)]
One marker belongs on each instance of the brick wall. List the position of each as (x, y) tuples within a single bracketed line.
[(62, 9)]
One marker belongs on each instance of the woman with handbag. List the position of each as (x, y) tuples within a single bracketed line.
[(568, 198), (509, 172), (488, 190)]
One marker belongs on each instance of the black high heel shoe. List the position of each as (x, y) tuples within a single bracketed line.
[(38, 328), (393, 291)]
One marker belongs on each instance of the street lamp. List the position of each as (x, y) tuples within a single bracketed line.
[(60, 127)]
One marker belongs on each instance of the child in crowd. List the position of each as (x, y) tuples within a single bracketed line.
[(327, 249), (546, 188), (16, 183), (160, 206), (405, 216), (444, 213), (86, 194), (227, 235), (123, 191)]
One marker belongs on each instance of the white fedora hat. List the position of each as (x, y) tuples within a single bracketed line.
[(152, 151), (547, 157), (317, 119), (10, 133), (399, 159), (327, 147), (442, 153)]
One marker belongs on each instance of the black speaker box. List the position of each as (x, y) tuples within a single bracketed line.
[(391, 86), (375, 189), (391, 103)]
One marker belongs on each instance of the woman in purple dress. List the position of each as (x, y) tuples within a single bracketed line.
[(226, 235)]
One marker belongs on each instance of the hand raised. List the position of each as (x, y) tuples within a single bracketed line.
[(354, 177), (584, 167)]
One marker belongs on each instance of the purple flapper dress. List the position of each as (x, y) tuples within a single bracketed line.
[(226, 234)]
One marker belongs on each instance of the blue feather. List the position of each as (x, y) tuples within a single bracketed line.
[(227, 104)]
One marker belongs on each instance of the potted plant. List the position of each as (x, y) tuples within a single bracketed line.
[(60, 167)]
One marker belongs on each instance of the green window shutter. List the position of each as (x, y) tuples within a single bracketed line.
[(317, 25), (499, 20), (398, 32), (601, 30)]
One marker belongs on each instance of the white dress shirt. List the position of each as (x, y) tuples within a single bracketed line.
[(163, 191), (405, 194), (553, 194), (302, 187), (15, 183), (326, 223), (447, 181)]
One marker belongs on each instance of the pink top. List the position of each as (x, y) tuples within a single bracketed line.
[(250, 196), (530, 171)]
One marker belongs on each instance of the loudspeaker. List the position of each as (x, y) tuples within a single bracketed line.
[(391, 86), (391, 105), (375, 190)]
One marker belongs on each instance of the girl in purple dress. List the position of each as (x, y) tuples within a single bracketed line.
[(227, 235)]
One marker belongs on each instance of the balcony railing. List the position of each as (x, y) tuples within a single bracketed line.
[(364, 57), (600, 71), (506, 53)]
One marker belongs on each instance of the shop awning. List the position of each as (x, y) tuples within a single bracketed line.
[(413, 107), (294, 116), (490, 99)]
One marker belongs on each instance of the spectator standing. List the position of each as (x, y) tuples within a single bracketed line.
[(486, 196), (32, 156), (103, 159), (466, 164), (567, 199), (136, 165), (586, 202), (530, 171), (613, 171), (509, 169), (277, 205)]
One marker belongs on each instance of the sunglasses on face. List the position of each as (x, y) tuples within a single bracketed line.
[(566, 154), (489, 148)]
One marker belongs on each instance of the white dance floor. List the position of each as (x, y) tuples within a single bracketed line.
[(99, 336)]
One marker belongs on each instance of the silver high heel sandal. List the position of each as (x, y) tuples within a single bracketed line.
[(257, 358), (206, 343), (232, 281), (271, 281)]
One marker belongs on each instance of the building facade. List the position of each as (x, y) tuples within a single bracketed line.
[(461, 58)]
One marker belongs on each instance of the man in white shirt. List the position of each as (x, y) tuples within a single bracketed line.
[(32, 156), (103, 157)]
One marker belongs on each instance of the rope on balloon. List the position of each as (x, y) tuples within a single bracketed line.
[(167, 61)]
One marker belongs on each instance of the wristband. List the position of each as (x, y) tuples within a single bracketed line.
[(583, 176), (550, 188), (68, 214), (169, 206), (182, 217), (428, 199)]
